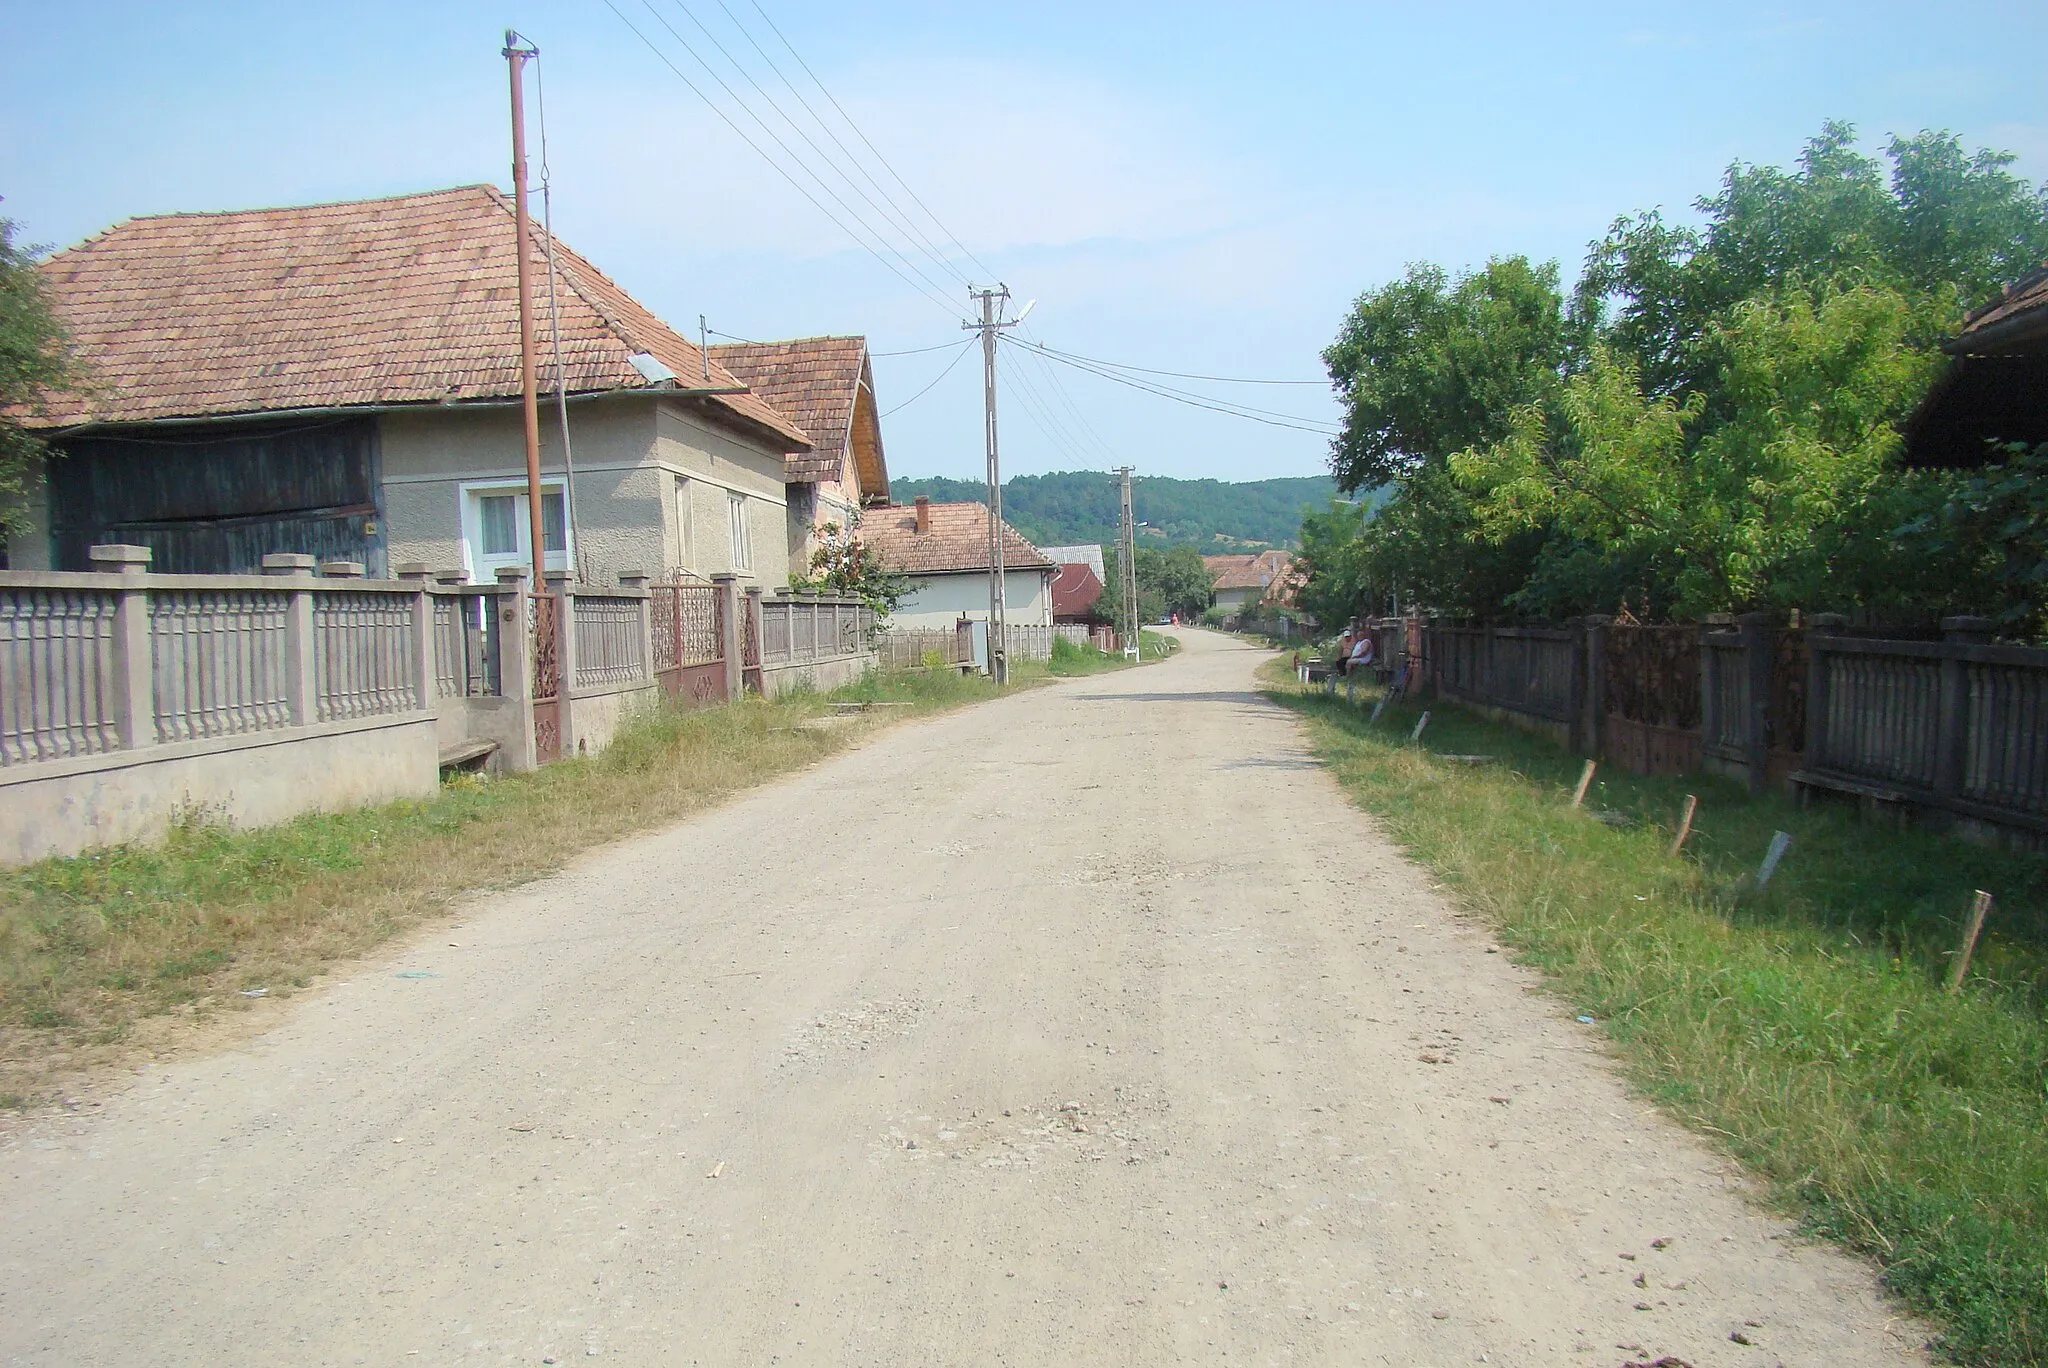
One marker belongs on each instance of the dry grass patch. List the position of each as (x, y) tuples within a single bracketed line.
[(93, 945), (1809, 1030)]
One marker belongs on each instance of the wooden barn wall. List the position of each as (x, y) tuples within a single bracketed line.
[(216, 500)]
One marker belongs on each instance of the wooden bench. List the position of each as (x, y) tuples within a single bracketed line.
[(466, 754)]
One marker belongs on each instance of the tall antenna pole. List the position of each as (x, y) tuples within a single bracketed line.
[(1127, 566), (998, 595), (516, 58)]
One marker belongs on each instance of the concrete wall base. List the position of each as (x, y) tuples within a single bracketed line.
[(245, 781), (821, 676)]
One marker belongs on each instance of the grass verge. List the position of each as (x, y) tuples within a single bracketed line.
[(93, 945), (1808, 1030), (1070, 659)]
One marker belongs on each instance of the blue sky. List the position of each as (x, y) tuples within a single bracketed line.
[(1190, 187)]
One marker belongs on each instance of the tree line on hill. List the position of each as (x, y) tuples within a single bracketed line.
[(1077, 507), (1708, 420)]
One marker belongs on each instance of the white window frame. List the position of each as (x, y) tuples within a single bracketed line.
[(471, 493), (742, 534), (685, 506)]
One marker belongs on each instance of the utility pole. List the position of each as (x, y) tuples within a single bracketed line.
[(516, 58), (998, 598), (1127, 567)]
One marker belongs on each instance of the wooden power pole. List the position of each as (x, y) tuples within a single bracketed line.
[(516, 57)]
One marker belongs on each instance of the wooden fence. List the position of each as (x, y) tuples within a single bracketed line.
[(1957, 727)]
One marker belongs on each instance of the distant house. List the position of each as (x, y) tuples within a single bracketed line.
[(826, 386), (1078, 583), (344, 380), (943, 548), (1995, 389), (1244, 582)]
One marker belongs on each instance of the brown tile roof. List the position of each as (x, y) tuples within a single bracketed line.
[(958, 540), (406, 300), (814, 380), (1248, 572), (2016, 321)]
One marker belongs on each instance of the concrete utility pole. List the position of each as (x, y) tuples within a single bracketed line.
[(1127, 567), (998, 597), (516, 58)]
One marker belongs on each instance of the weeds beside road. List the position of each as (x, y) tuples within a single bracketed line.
[(93, 944), (1808, 1030)]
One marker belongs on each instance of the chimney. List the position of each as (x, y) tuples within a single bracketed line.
[(924, 514)]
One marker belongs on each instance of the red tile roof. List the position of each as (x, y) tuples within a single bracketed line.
[(1075, 590), (412, 299), (958, 540), (1248, 572), (815, 381)]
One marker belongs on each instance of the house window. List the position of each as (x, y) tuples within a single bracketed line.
[(496, 528), (742, 545), (684, 559)]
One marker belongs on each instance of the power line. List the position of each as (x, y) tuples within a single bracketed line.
[(896, 222), (780, 170), (902, 218), (735, 337), (915, 351), (762, 124), (915, 197), (1178, 375), (1293, 421), (965, 347)]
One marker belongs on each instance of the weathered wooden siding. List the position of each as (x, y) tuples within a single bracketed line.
[(216, 499)]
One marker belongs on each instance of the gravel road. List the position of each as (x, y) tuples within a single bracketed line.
[(1091, 1026)]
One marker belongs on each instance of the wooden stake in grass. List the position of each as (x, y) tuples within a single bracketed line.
[(1420, 723), (1780, 843), (1980, 908), (1585, 782), (1378, 708), (1685, 816)]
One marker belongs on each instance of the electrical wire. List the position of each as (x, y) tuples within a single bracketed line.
[(897, 177), (964, 347), (735, 337), (779, 169), (1173, 392), (1293, 421), (902, 218), (917, 351), (796, 157), (1178, 375), (945, 267)]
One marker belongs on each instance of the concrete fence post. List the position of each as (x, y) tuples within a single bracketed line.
[(1759, 650), (302, 690), (729, 623), (425, 667), (1952, 726), (134, 675), (1710, 694), (341, 569), (515, 666), (635, 581)]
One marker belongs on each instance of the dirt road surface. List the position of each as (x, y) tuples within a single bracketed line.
[(1091, 1026)]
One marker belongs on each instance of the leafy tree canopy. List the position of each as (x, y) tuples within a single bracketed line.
[(33, 364), (1713, 421), (1169, 581)]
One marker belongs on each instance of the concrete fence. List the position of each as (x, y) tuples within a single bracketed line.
[(815, 641), (127, 698)]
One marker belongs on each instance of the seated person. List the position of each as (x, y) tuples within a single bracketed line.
[(1361, 654)]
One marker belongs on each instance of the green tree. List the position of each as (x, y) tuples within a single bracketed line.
[(844, 564), (1433, 364), (1169, 581), (34, 363)]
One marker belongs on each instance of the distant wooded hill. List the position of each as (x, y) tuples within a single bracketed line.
[(1068, 508)]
